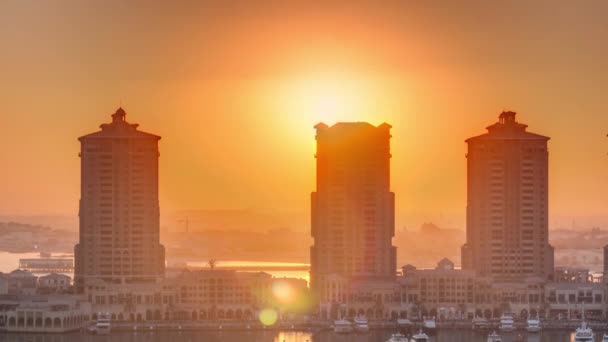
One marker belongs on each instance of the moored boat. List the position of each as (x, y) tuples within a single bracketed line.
[(397, 338), (404, 323), (361, 324), (103, 325), (583, 333), (533, 325), (343, 326), (480, 323), (429, 324), (494, 337), (420, 337), (506, 323)]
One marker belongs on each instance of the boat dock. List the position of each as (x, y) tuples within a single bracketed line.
[(314, 326)]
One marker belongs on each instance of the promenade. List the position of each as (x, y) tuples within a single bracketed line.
[(317, 325)]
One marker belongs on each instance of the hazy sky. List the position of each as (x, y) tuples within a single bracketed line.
[(235, 88)]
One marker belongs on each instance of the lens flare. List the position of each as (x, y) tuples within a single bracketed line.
[(283, 291), (268, 317)]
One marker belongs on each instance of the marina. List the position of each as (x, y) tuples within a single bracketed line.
[(283, 336), (47, 264)]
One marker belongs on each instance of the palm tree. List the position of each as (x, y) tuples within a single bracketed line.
[(379, 307), (545, 308), (212, 263), (416, 309), (171, 310), (334, 310), (129, 304), (462, 307), (505, 307)]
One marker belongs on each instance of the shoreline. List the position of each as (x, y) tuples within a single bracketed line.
[(327, 326), (311, 327)]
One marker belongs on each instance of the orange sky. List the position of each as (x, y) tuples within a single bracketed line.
[(235, 88)]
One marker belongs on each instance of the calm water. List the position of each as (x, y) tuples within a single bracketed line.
[(268, 336), (272, 267), (10, 262)]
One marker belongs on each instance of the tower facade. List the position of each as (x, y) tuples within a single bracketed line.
[(119, 207), (507, 204), (606, 264), (353, 209)]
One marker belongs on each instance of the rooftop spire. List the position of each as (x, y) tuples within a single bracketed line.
[(119, 116), (507, 117)]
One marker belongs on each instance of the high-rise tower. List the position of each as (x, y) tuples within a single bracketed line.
[(119, 208), (507, 208), (606, 264), (353, 209)]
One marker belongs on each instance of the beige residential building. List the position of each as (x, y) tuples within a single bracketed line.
[(43, 314), (202, 295), (507, 208), (119, 208)]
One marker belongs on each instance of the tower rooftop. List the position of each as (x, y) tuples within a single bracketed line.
[(508, 128), (119, 128), (348, 125)]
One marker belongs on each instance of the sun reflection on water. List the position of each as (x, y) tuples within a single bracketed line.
[(293, 337)]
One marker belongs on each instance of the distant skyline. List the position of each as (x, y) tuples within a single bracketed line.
[(236, 89)]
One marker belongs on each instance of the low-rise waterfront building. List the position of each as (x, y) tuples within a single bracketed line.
[(129, 302), (47, 264), (567, 300), (54, 283), (3, 284), (573, 275), (21, 282), (43, 314), (448, 293), (220, 294), (440, 292), (190, 296)]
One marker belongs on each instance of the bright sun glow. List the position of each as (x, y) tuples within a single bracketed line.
[(329, 101), (268, 317), (283, 291), (329, 98), (300, 102)]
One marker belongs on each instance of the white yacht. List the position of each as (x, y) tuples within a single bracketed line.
[(583, 333), (361, 324), (494, 337), (429, 324), (533, 325), (404, 323), (397, 338), (343, 326), (605, 338), (420, 337), (480, 323), (103, 326), (506, 323)]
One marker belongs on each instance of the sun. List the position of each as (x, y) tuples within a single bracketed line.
[(329, 101), (299, 102), (328, 98)]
